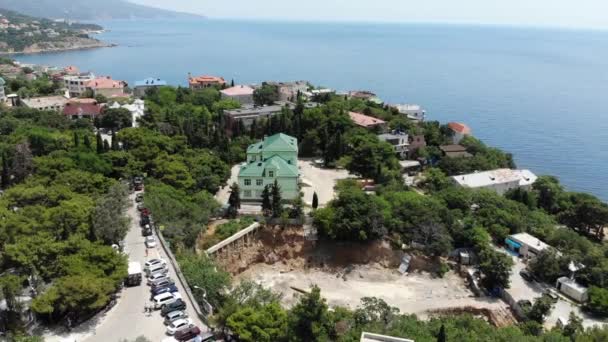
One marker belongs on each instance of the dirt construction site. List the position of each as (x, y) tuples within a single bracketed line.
[(289, 263)]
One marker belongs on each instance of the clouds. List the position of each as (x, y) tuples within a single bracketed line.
[(564, 13)]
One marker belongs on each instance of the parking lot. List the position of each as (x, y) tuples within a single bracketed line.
[(530, 290)]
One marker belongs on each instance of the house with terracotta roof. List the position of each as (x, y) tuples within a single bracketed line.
[(106, 86), (459, 131), (454, 151), (367, 121), (71, 70), (82, 108), (243, 94), (205, 81), (273, 159)]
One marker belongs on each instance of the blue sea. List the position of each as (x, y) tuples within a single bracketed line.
[(541, 94)]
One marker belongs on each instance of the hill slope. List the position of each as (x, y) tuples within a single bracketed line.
[(24, 34), (88, 9)]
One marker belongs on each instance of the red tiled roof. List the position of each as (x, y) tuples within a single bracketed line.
[(82, 108), (238, 90), (206, 79), (104, 83), (459, 128), (71, 69), (364, 120)]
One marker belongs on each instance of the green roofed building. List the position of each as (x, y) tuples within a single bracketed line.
[(274, 158)]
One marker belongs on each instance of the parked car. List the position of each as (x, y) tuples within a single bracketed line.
[(156, 278), (154, 262), (187, 334), (526, 275), (551, 293), (144, 221), (173, 306), (139, 198), (150, 242), (167, 289), (160, 268), (162, 299), (179, 324), (162, 283), (205, 337), (174, 316), (140, 207), (146, 231)]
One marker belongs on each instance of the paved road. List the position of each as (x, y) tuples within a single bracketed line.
[(127, 320)]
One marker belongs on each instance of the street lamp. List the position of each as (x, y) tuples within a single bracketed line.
[(202, 289)]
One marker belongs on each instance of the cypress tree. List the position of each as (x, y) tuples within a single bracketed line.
[(99, 143), (277, 207), (106, 146), (253, 129), (114, 142), (6, 177), (315, 201), (232, 83), (87, 141), (441, 337), (76, 140), (266, 202)]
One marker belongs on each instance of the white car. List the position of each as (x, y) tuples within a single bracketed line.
[(178, 325), (174, 316), (156, 276), (154, 262), (150, 242)]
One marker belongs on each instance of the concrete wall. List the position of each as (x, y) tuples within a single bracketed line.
[(289, 187)]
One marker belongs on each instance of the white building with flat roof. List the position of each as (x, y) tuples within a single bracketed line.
[(572, 289), (412, 111), (55, 103), (525, 245), (499, 180), (76, 85)]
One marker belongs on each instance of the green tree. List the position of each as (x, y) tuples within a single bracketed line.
[(116, 119), (548, 266), (201, 271), (496, 268), (234, 200), (267, 323), (574, 326), (110, 223), (598, 301), (266, 200), (266, 95), (76, 139), (6, 177), (540, 309), (308, 320), (87, 141), (10, 288), (277, 206), (315, 201), (114, 144), (99, 143), (441, 336)]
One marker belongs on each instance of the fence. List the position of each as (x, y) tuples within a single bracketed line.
[(238, 236), (182, 279)]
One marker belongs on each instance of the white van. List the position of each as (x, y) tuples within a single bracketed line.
[(165, 298)]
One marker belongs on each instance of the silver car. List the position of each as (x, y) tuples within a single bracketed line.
[(174, 316)]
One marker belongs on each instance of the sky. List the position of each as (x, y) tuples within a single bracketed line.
[(553, 13)]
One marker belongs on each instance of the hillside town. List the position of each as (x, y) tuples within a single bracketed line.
[(223, 211)]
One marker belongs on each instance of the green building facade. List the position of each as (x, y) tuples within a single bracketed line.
[(274, 158)]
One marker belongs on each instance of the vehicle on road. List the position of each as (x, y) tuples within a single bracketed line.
[(162, 283), (161, 290), (187, 334), (139, 198), (150, 242), (146, 230), (144, 221), (165, 298), (174, 306), (526, 275), (174, 316), (179, 324), (154, 262), (140, 207), (134, 274), (552, 294), (205, 337)]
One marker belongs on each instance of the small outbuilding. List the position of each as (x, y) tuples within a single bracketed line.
[(525, 245), (572, 289)]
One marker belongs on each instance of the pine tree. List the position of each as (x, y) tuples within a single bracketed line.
[(253, 129), (315, 201), (87, 141), (106, 146), (277, 207), (114, 142), (232, 83), (6, 177), (76, 140), (266, 201), (99, 143)]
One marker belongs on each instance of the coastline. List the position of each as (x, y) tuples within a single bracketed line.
[(43, 51)]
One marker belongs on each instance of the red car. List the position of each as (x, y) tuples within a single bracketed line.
[(187, 334)]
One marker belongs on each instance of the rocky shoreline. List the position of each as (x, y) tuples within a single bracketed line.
[(60, 46)]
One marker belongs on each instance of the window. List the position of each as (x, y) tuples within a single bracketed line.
[(247, 182), (247, 193), (270, 173), (259, 182)]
